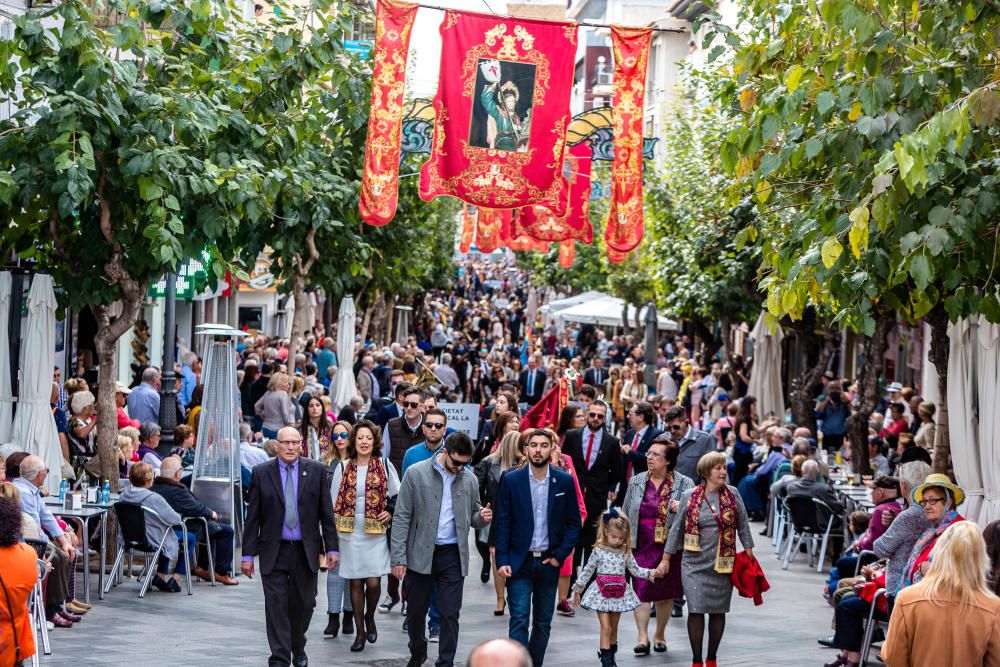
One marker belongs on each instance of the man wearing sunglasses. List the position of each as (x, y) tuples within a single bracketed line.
[(434, 427), (401, 433), (693, 444), (433, 553)]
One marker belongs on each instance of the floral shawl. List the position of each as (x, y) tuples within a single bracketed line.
[(376, 494), (726, 520), (921, 551), (663, 509)]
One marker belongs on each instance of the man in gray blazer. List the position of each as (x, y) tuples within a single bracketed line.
[(693, 444), (438, 503)]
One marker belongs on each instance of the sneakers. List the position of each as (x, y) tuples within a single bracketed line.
[(565, 609), (434, 635), (387, 605)]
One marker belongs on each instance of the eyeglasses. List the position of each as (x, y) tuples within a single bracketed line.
[(340, 436), (924, 502), (290, 443), (595, 415), (413, 405), (677, 427), (655, 455), (433, 426)]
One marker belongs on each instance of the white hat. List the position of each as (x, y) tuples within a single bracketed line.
[(122, 389), (894, 388)]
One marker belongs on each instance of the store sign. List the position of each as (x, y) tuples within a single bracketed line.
[(462, 417)]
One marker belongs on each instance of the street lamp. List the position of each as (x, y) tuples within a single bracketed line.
[(168, 379), (651, 347)]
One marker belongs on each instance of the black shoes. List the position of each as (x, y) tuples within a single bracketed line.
[(417, 660), (359, 643), (826, 641), (678, 610), (371, 632), (484, 574), (641, 649), (300, 661), (333, 626), (348, 627)]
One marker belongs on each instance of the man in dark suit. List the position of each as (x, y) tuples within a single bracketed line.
[(289, 523), (532, 382), (596, 375), (394, 409), (641, 419), (597, 459), (537, 524)]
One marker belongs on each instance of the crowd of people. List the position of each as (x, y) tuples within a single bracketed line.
[(637, 499)]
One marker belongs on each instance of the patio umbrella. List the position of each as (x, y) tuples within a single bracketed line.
[(6, 396), (346, 386), (765, 380), (34, 425), (988, 368), (963, 422), (531, 308)]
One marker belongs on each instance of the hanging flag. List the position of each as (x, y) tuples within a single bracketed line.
[(522, 242), (545, 413), (631, 53), (567, 253), (380, 179), (502, 110), (468, 230), (542, 224), (489, 228)]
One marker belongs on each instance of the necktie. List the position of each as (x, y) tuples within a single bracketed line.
[(291, 502), (590, 448), (635, 446), (531, 383)]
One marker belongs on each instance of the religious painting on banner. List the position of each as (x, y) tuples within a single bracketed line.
[(630, 47), (502, 110), (542, 224), (380, 179)]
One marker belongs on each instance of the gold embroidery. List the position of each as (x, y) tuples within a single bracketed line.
[(527, 39), (495, 33)]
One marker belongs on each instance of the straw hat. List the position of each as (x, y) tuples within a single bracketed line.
[(939, 480), (122, 389)]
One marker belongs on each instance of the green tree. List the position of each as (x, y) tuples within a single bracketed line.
[(867, 130), (115, 167)]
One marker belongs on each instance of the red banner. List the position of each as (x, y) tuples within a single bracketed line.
[(518, 241), (502, 110), (545, 413), (468, 230), (489, 228), (380, 180), (544, 225), (567, 253), (631, 54)]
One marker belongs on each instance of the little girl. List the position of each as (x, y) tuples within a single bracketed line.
[(610, 594)]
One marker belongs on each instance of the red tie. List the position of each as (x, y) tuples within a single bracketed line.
[(635, 446), (590, 448)]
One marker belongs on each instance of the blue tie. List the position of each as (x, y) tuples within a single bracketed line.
[(291, 502)]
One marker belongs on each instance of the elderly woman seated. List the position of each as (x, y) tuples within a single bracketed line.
[(149, 439), (169, 521)]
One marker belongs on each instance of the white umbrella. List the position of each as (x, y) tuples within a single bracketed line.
[(6, 396), (765, 380), (34, 425), (346, 386), (963, 429), (531, 308), (988, 368)]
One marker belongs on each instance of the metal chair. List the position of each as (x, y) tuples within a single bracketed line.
[(822, 509), (804, 528), (132, 527), (780, 524), (870, 625), (208, 543), (36, 601), (865, 557)]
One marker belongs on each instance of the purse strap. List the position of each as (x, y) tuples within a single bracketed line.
[(10, 611)]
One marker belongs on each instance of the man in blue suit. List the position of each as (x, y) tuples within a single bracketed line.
[(537, 524), (642, 420)]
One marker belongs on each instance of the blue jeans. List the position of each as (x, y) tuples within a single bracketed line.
[(531, 593), (164, 562)]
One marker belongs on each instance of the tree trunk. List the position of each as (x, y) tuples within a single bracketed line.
[(938, 355), (625, 326), (807, 384), (298, 282), (710, 344), (378, 319), (857, 423), (368, 315), (390, 316), (725, 331)]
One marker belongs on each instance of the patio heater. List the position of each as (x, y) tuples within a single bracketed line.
[(216, 479), (403, 314)]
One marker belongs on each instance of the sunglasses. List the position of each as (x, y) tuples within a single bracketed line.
[(677, 427), (340, 436), (433, 426), (454, 463), (595, 415), (413, 405)]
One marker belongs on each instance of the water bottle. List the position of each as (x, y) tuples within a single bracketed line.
[(106, 493), (63, 489)]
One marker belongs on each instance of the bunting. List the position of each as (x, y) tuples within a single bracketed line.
[(502, 111), (380, 179), (631, 53)]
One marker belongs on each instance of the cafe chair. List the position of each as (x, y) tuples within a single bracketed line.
[(132, 537), (824, 513)]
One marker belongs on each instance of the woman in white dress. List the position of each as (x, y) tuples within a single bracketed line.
[(364, 490)]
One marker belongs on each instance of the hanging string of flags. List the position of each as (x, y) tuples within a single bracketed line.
[(502, 139)]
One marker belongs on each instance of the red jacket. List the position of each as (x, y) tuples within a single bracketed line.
[(748, 578)]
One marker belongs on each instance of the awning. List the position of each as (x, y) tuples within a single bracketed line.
[(607, 311)]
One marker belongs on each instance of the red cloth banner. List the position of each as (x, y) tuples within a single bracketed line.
[(567, 253), (544, 225), (489, 228), (502, 110), (522, 242), (631, 52), (468, 230), (545, 413), (380, 180)]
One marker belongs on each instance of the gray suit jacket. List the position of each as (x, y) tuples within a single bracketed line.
[(693, 446), (418, 506)]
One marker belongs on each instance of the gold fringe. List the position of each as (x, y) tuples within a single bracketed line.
[(374, 527), (691, 542), (344, 523), (660, 535), (724, 565)]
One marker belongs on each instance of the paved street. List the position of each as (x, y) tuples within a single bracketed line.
[(225, 626)]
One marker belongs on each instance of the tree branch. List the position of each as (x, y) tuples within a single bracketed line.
[(304, 268)]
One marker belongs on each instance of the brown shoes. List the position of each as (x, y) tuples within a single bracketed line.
[(202, 574), (75, 608), (226, 580)]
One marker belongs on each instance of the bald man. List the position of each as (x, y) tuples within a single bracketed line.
[(499, 653)]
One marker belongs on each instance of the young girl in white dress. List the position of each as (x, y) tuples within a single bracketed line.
[(610, 594)]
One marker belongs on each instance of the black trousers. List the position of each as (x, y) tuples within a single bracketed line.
[(446, 576), (289, 599)]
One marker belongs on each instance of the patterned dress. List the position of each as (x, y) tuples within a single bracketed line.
[(607, 561), (707, 591), (650, 552)]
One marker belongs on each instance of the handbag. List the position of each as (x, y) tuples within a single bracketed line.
[(611, 586)]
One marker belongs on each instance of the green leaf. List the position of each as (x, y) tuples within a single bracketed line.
[(831, 251), (813, 147), (920, 271), (858, 235), (825, 101), (793, 77)]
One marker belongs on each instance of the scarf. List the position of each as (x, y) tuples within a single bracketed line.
[(922, 547), (663, 509), (376, 492), (146, 449), (725, 555)]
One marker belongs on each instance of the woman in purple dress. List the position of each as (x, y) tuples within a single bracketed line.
[(651, 504)]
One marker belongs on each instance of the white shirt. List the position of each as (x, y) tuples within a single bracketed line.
[(446, 533), (586, 443), (540, 508)]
